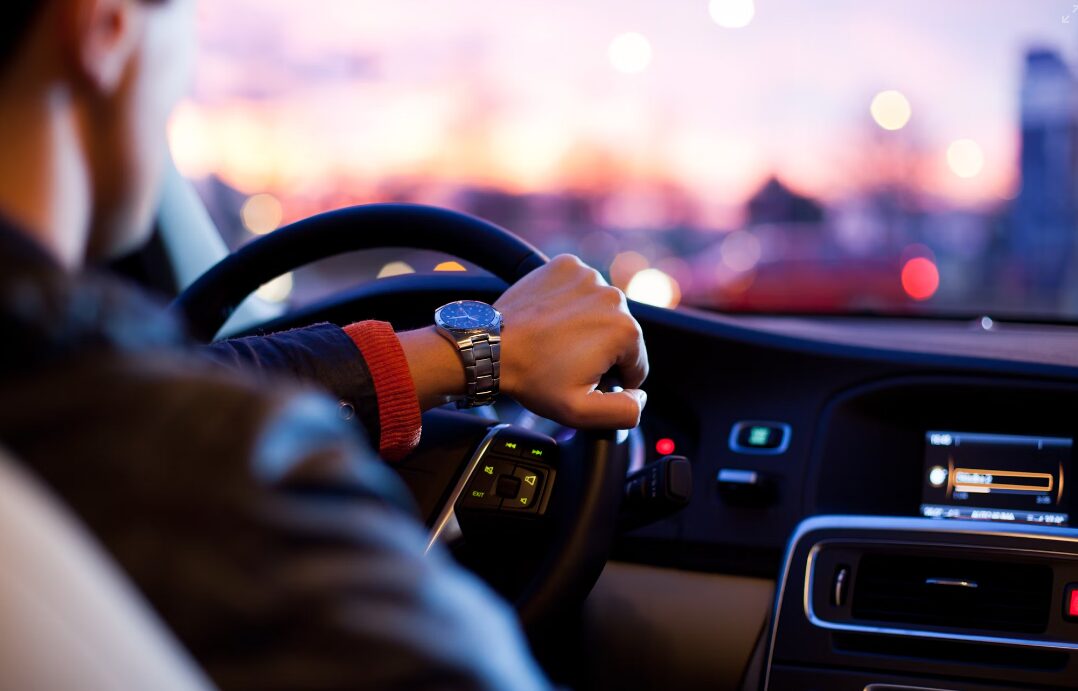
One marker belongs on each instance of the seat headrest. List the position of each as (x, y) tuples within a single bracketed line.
[(69, 618)]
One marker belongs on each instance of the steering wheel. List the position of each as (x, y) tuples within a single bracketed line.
[(563, 537)]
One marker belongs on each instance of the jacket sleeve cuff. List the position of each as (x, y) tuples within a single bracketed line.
[(399, 415)]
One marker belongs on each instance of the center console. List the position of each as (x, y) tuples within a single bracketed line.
[(872, 602), (939, 556)]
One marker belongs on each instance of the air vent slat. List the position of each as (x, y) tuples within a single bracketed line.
[(906, 589)]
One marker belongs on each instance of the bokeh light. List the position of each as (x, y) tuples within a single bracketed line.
[(277, 290), (732, 14), (740, 251), (630, 53), (189, 143), (965, 158), (920, 278), (397, 268), (261, 214), (625, 266), (616, 127), (891, 110), (654, 287), (450, 266)]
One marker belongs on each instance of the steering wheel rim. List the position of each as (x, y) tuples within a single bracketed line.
[(593, 491), (208, 302)]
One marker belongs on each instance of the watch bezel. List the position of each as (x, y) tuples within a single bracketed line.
[(492, 327)]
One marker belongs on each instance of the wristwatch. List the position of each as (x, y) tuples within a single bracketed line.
[(475, 329)]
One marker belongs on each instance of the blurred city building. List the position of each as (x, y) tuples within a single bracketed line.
[(1043, 238), (937, 179)]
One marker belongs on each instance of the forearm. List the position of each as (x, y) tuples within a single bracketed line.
[(362, 365), (434, 366), (322, 355)]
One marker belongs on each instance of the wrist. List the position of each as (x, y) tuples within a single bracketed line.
[(434, 365), (509, 370)]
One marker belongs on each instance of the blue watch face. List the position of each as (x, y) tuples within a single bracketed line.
[(468, 314)]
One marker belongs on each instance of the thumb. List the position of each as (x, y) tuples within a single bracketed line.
[(613, 410)]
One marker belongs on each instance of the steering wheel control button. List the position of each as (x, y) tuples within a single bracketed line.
[(535, 452), (482, 490), (759, 437), (524, 444), (480, 496), (531, 450), (529, 490), (507, 487), (1070, 602), (507, 446)]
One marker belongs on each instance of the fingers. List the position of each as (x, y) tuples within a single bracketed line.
[(616, 410), (633, 360), (563, 324)]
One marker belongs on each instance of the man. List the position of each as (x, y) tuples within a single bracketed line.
[(279, 551)]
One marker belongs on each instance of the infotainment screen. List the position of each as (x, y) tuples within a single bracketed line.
[(996, 477)]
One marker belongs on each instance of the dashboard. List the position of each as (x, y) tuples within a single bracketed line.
[(827, 452), (913, 494), (850, 423)]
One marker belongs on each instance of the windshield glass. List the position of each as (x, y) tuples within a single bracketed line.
[(778, 155)]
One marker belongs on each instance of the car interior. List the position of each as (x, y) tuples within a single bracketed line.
[(854, 468)]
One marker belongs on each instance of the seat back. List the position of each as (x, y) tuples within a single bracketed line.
[(69, 619)]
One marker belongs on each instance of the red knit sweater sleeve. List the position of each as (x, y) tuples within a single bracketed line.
[(399, 414)]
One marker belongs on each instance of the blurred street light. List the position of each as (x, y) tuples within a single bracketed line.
[(732, 14), (630, 53), (740, 251), (261, 214), (654, 287), (397, 268), (277, 290), (890, 109), (965, 158)]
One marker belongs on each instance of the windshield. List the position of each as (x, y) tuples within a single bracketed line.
[(914, 157)]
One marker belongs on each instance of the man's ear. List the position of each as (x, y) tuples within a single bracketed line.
[(102, 36)]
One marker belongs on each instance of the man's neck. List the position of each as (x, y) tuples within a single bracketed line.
[(44, 187)]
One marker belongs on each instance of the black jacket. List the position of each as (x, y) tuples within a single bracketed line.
[(260, 526)]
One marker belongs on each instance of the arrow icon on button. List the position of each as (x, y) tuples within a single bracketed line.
[(524, 501), (530, 479)]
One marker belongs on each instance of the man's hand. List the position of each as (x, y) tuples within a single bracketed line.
[(564, 328)]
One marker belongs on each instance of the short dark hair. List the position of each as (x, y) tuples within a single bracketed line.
[(16, 18)]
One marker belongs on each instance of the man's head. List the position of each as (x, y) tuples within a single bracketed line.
[(100, 77)]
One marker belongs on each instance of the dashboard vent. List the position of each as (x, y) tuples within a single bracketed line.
[(953, 593)]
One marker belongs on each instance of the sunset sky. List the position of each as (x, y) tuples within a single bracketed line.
[(305, 99)]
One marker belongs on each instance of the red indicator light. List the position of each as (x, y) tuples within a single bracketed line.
[(1072, 603), (665, 446)]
